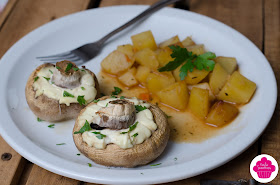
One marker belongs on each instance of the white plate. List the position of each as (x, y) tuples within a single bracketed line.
[(37, 143)]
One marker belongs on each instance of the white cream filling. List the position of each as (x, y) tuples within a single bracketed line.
[(144, 128), (43, 86)]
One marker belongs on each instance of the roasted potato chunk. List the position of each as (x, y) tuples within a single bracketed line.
[(169, 42), (147, 57), (218, 79), (163, 56), (158, 81), (128, 78), (144, 40), (204, 85), (228, 63), (199, 102), (175, 95), (221, 113), (196, 49), (142, 74), (116, 62), (126, 49), (238, 89), (188, 42)]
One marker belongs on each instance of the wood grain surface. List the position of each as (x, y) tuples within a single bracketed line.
[(259, 20)]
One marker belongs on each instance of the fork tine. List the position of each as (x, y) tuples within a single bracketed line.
[(66, 54)]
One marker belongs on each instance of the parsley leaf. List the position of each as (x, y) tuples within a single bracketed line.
[(203, 61), (69, 66), (140, 108), (67, 94), (117, 91), (57, 67), (39, 120), (95, 101), (99, 135), (132, 127), (36, 78), (122, 97), (155, 164), (78, 154), (50, 71), (124, 132), (75, 69), (81, 100), (51, 126), (85, 128), (47, 78), (188, 66), (83, 88), (61, 144), (134, 135), (112, 96), (89, 164)]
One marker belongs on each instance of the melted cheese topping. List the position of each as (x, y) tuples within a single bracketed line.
[(144, 128), (43, 86)]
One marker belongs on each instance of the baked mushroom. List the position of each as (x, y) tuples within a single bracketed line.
[(118, 131), (59, 92)]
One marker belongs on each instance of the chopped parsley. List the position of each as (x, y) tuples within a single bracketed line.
[(189, 61), (89, 164), (140, 108), (175, 159), (124, 132), (51, 126), (132, 127), (50, 71), (47, 78), (83, 70), (155, 164), (95, 101), (99, 135), (39, 120), (75, 69), (69, 66), (134, 135), (67, 94), (85, 128), (122, 97), (142, 173), (61, 144), (83, 88), (81, 100), (117, 91), (57, 67), (106, 105), (112, 96), (36, 78), (78, 154)]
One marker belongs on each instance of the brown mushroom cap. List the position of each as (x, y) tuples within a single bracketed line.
[(49, 109), (139, 154)]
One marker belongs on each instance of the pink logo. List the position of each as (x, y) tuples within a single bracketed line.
[(264, 168)]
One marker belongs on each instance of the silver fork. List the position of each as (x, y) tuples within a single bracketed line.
[(88, 51)]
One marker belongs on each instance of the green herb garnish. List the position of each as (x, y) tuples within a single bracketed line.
[(155, 164), (140, 108), (67, 94), (75, 69), (89, 164), (122, 97), (85, 128), (81, 100), (112, 96), (106, 105), (51, 126), (39, 120), (83, 88), (132, 127), (124, 132), (50, 71), (47, 78), (99, 135), (134, 135), (61, 144), (175, 158), (78, 154), (95, 101), (189, 61), (36, 78), (117, 91), (57, 67), (69, 66)]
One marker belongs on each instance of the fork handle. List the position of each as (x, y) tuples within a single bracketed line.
[(153, 8)]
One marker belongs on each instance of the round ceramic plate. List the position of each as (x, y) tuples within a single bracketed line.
[(38, 143)]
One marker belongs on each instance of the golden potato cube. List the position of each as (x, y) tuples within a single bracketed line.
[(116, 62), (196, 49), (196, 76), (169, 42), (144, 40), (221, 113), (238, 89), (147, 57), (188, 42), (157, 81), (199, 102), (176, 73), (163, 56), (204, 85), (128, 78), (175, 95), (228, 63), (126, 49), (218, 78), (142, 73)]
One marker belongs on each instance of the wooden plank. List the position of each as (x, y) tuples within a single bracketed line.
[(43, 177), (271, 137), (25, 16), (235, 14), (7, 10)]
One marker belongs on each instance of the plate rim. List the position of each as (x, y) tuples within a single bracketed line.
[(62, 171)]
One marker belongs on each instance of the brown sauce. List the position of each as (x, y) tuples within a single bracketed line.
[(184, 126)]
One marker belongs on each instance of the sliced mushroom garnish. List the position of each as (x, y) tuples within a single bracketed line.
[(118, 114), (65, 76)]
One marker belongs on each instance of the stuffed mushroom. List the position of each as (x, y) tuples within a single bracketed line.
[(59, 92), (119, 131)]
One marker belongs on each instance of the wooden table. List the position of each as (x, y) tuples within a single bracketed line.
[(259, 20)]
